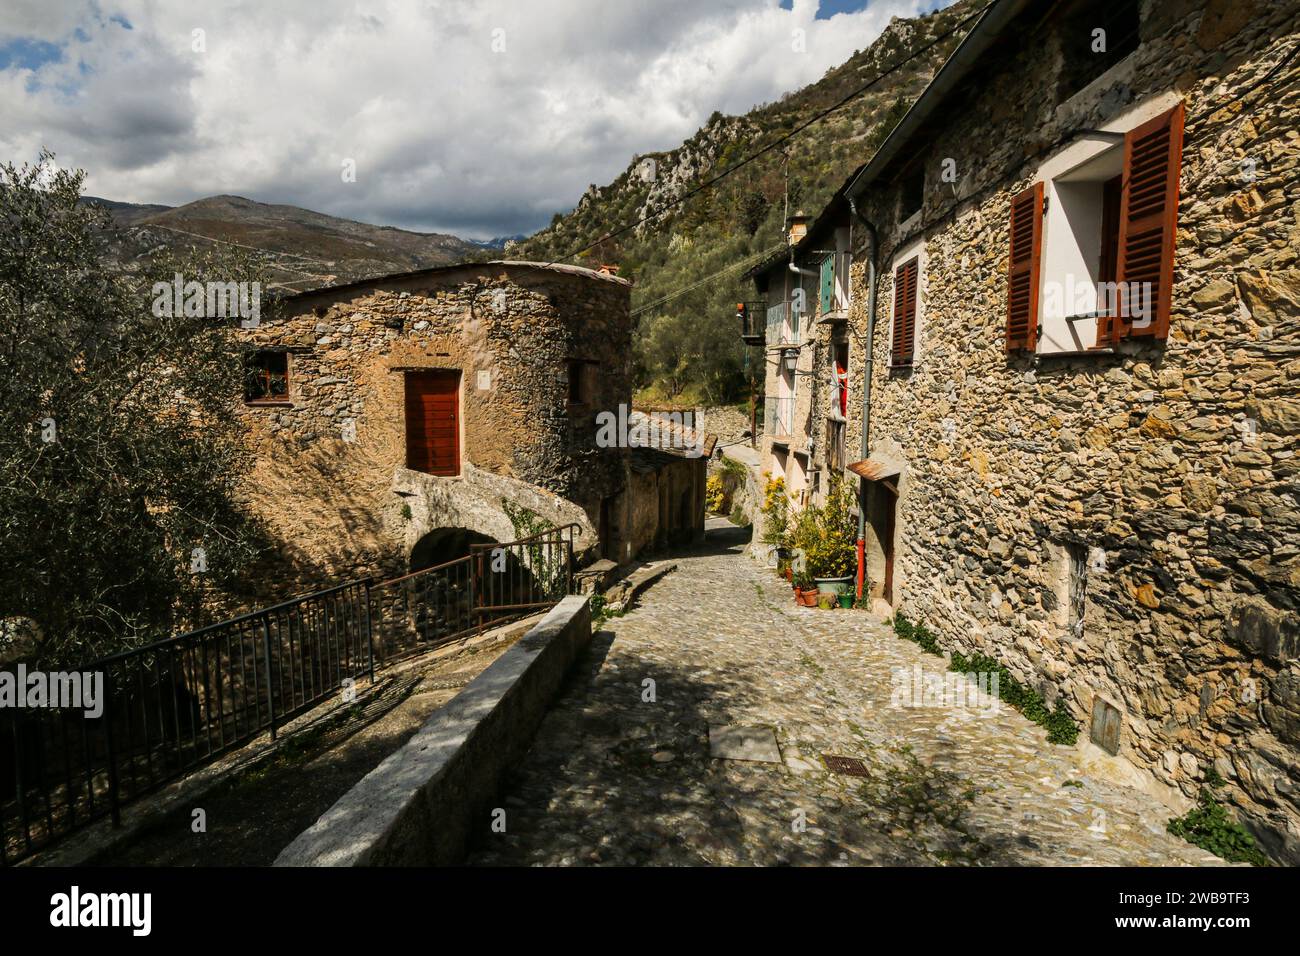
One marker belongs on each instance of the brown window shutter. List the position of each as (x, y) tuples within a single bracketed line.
[(904, 337), (1026, 248), (1148, 221)]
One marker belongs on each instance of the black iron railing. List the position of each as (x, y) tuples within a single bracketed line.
[(171, 707)]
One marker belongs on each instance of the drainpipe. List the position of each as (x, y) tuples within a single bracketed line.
[(868, 368)]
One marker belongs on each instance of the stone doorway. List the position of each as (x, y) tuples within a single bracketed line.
[(882, 507)]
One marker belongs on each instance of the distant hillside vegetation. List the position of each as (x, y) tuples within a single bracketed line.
[(689, 349), (306, 249)]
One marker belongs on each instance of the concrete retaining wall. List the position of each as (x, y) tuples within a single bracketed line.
[(420, 805)]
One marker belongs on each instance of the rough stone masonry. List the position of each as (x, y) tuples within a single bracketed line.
[(1162, 475)]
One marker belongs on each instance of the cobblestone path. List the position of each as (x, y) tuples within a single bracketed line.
[(616, 779)]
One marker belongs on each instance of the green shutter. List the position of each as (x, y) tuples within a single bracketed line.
[(828, 284)]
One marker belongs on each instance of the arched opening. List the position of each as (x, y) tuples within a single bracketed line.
[(445, 544)]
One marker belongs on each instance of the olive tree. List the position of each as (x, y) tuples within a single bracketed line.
[(119, 443)]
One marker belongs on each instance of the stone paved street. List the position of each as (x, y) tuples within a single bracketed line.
[(615, 779)]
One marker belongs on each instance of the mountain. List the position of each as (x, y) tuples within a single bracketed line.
[(500, 242), (688, 349), (306, 249)]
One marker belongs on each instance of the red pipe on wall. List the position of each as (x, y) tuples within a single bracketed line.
[(862, 565)]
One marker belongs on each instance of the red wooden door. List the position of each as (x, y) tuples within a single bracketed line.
[(433, 422)]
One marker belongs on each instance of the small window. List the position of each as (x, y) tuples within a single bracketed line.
[(1095, 36), (912, 193), (579, 387), (266, 377)]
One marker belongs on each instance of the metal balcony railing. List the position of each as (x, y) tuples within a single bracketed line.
[(783, 325), (778, 417)]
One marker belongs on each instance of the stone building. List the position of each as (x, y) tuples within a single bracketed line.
[(1083, 400), (799, 323), (398, 420)]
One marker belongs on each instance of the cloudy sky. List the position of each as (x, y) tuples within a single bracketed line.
[(476, 117)]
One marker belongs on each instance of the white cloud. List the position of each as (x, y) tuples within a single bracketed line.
[(447, 134)]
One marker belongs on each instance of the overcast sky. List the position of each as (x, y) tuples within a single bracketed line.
[(476, 117)]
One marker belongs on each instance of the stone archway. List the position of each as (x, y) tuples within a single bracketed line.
[(444, 544)]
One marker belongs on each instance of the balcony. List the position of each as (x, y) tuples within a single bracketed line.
[(752, 331), (778, 418), (783, 327)]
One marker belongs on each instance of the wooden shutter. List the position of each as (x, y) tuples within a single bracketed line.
[(433, 422), (1148, 221), (904, 338), (1026, 246), (826, 294)]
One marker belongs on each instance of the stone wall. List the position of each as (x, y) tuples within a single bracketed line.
[(330, 478), (1170, 468), (427, 803)]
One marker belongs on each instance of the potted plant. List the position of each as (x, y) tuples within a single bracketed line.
[(805, 591), (827, 536)]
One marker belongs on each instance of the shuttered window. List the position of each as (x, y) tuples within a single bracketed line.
[(903, 345), (1148, 222), (826, 292), (1026, 246)]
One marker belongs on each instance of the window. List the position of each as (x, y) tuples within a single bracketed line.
[(266, 377), (1090, 252), (579, 375), (903, 340), (1095, 36), (912, 193)]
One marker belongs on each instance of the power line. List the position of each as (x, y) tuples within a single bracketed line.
[(748, 260), (740, 164)]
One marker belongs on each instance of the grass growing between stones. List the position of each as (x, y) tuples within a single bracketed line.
[(918, 634), (1061, 727), (602, 612), (1210, 826)]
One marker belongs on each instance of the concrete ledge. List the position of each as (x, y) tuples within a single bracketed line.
[(418, 807)]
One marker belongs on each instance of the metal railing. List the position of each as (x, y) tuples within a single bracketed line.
[(492, 585), (173, 706), (778, 417), (783, 325)]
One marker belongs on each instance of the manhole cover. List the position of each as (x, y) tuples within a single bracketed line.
[(849, 766)]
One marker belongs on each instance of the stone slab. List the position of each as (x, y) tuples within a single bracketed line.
[(743, 743)]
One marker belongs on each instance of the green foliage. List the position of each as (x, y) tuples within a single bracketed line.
[(601, 611), (776, 514), (1209, 826), (828, 535), (917, 633), (1061, 727), (99, 526)]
